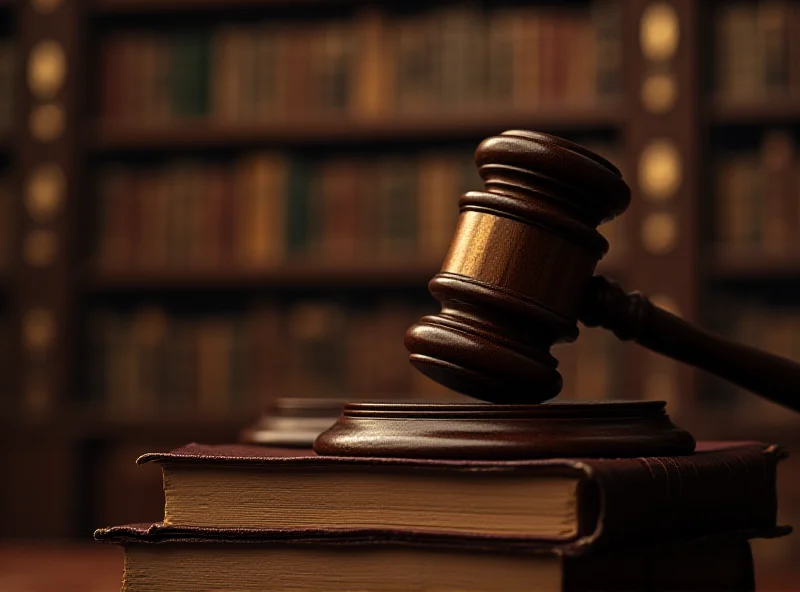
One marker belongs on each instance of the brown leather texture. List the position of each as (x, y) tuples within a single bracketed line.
[(722, 487)]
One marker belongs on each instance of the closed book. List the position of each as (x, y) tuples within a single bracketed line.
[(567, 502), (162, 558)]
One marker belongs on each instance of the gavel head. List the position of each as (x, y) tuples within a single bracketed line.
[(512, 282)]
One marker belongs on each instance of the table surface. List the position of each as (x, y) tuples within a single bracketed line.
[(94, 567), (65, 567)]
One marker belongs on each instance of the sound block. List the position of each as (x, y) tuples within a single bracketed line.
[(293, 422), (608, 429)]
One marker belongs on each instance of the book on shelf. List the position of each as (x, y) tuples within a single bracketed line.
[(8, 71), (153, 361), (756, 198), (446, 59), (775, 329), (267, 210), (407, 522), (757, 55)]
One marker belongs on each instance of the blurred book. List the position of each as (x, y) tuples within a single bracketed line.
[(454, 58)]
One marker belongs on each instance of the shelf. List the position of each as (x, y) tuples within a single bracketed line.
[(389, 275), (198, 135), (753, 266), (296, 276), (127, 7), (780, 110)]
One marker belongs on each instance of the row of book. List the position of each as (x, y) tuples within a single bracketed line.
[(266, 209), (8, 60), (152, 360), (757, 49), (757, 194), (455, 57)]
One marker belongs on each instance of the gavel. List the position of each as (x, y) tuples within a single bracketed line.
[(519, 275)]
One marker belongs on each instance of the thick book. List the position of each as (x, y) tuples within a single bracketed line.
[(574, 503), (162, 558)]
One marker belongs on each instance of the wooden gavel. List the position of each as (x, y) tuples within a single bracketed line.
[(519, 275)]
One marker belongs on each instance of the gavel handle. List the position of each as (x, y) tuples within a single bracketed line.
[(633, 317)]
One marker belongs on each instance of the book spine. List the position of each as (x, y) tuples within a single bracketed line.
[(780, 197), (702, 492)]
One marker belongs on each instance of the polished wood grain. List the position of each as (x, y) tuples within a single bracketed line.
[(521, 259), (511, 285), (504, 432)]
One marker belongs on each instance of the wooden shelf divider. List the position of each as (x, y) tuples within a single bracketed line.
[(128, 7), (293, 276), (207, 134)]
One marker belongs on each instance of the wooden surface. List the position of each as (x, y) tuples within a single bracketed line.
[(58, 566), (340, 131), (290, 276), (504, 432)]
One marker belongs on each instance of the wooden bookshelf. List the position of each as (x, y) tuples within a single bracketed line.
[(339, 131)]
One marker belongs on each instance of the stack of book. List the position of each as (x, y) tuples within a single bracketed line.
[(252, 518)]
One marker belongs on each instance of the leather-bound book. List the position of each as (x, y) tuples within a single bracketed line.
[(556, 503), (160, 558)]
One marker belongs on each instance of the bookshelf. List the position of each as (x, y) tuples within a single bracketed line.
[(659, 119)]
